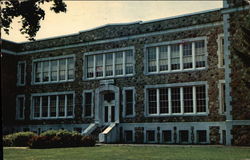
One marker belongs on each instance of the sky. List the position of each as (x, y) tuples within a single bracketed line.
[(84, 15)]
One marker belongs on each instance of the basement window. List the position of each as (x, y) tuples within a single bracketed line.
[(128, 136), (150, 134), (201, 136), (183, 136), (167, 136)]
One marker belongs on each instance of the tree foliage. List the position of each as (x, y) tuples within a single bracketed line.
[(30, 12)]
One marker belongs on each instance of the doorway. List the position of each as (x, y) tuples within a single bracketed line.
[(109, 107)]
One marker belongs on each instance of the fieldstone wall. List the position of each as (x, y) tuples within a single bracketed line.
[(241, 135), (214, 135), (240, 72)]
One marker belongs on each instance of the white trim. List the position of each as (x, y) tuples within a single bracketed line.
[(19, 73), (180, 85), (231, 10), (219, 51), (8, 51), (57, 105), (92, 103), (124, 101), (168, 43), (104, 53), (124, 38), (49, 59), (18, 105)]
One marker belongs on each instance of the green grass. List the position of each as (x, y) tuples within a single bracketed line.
[(130, 153)]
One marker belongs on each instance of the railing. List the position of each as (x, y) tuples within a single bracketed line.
[(89, 129), (109, 135)]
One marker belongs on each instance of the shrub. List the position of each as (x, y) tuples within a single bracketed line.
[(88, 141), (55, 139), (20, 139)]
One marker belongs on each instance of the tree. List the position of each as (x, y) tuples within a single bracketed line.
[(30, 12)]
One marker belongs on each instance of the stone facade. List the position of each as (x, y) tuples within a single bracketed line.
[(209, 24)]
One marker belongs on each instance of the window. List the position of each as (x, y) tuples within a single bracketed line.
[(201, 136), (171, 99), (222, 95), (150, 134), (188, 99), (57, 105), (21, 73), (129, 101), (88, 103), (120, 63), (220, 52), (167, 136), (152, 101), (128, 136), (183, 134), (176, 56), (52, 70), (20, 105), (201, 98)]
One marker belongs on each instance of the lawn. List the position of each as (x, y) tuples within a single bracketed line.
[(130, 153)]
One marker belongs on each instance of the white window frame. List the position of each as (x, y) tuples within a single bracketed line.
[(196, 135), (157, 45), (180, 85), (219, 51), (17, 107), (19, 73), (92, 104), (124, 101), (57, 105), (221, 108), (49, 59), (104, 52)]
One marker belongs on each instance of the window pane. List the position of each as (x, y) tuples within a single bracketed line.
[(200, 53), (201, 136), (129, 102), (62, 69), (128, 136), (45, 106), (187, 55), (109, 64), (88, 103), (52, 106), (188, 99), (38, 73), (21, 73), (150, 135), (176, 102), (129, 66), (70, 105), (151, 59), (99, 65), (152, 104), (90, 66), (61, 105), (20, 107), (70, 68), (201, 98), (54, 70), (175, 57), (167, 136), (118, 63), (183, 136), (163, 58), (36, 103), (164, 100), (45, 71)]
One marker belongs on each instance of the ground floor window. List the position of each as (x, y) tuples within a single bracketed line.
[(183, 136), (150, 135), (128, 134), (88, 103), (167, 136), (20, 103), (53, 105), (201, 136)]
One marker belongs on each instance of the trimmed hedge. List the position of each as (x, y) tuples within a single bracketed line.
[(20, 139), (60, 138)]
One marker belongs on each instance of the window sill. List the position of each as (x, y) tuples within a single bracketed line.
[(48, 118), (53, 82), (109, 77), (176, 71), (177, 115)]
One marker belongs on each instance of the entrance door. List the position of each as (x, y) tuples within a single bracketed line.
[(109, 111)]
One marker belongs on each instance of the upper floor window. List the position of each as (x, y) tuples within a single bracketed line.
[(58, 105), (21, 73), (128, 101), (113, 64), (56, 69), (220, 52), (187, 99), (20, 103), (222, 95), (186, 55)]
